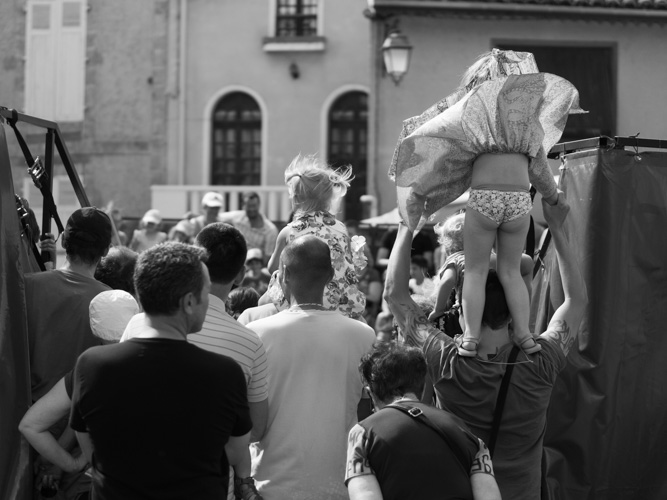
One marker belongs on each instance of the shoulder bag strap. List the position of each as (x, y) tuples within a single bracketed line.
[(500, 402), (419, 415)]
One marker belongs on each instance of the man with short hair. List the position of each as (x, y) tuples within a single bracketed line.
[(314, 385), (57, 301), (226, 253), (258, 230), (469, 387), (156, 416)]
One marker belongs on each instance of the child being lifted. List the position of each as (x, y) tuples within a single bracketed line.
[(492, 136)]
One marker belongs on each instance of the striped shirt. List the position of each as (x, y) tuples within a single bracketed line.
[(224, 335)]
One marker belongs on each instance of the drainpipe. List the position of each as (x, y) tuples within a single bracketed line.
[(182, 92)]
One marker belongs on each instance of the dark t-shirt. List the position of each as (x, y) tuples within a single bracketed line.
[(409, 459), (58, 324), (159, 413), (468, 387)]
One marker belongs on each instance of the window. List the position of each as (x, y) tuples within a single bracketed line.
[(592, 70), (348, 144), (296, 18), (55, 59), (236, 158), (296, 26)]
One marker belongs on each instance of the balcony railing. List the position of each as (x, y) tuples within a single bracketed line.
[(174, 201)]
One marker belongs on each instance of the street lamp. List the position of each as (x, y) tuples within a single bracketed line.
[(396, 53)]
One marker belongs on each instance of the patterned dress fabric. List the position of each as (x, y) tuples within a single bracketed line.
[(513, 114), (342, 292)]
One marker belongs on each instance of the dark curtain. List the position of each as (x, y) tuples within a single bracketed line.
[(15, 470), (607, 422)]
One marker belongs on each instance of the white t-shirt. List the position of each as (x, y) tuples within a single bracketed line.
[(314, 389)]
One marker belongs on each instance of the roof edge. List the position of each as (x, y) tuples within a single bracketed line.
[(383, 8)]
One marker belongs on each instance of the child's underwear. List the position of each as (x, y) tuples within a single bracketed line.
[(500, 202)]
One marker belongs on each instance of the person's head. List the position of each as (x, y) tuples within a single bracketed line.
[(240, 299), (496, 64), (110, 312), (496, 313), (87, 235), (391, 371), (182, 231), (151, 221), (418, 266), (313, 186), (116, 269), (450, 233), (210, 204), (251, 203), (171, 279), (226, 250), (305, 267), (254, 260)]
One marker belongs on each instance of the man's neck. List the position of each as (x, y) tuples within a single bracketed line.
[(256, 221), (87, 270), (307, 301), (221, 291), (164, 327)]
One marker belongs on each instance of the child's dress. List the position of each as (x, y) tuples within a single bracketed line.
[(524, 114), (342, 292)]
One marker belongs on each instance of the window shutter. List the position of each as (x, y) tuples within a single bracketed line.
[(40, 60), (70, 82), (55, 59)]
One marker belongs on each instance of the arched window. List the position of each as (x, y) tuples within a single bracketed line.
[(236, 155), (348, 144)]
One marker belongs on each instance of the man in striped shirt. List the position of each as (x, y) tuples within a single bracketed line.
[(222, 334)]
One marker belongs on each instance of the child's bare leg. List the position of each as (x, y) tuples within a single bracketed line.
[(479, 234), (511, 239)]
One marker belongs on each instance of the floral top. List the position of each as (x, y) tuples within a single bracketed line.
[(526, 114), (342, 292)]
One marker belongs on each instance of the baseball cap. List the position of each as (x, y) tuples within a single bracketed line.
[(110, 312), (254, 254), (212, 199), (153, 216), (89, 225)]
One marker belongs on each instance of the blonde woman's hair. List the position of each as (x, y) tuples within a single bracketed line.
[(450, 233), (313, 186)]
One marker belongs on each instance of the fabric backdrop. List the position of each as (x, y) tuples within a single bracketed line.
[(607, 422)]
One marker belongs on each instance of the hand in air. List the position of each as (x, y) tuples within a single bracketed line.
[(555, 214)]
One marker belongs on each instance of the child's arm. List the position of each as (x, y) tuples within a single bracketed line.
[(445, 288), (281, 243)]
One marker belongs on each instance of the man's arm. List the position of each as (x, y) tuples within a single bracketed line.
[(564, 325), (364, 488), (37, 421), (86, 445), (259, 414), (482, 480), (238, 454), (412, 321)]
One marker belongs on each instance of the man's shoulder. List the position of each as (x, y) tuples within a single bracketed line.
[(223, 326), (269, 224)]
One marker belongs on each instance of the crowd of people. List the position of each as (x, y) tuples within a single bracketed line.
[(228, 359)]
